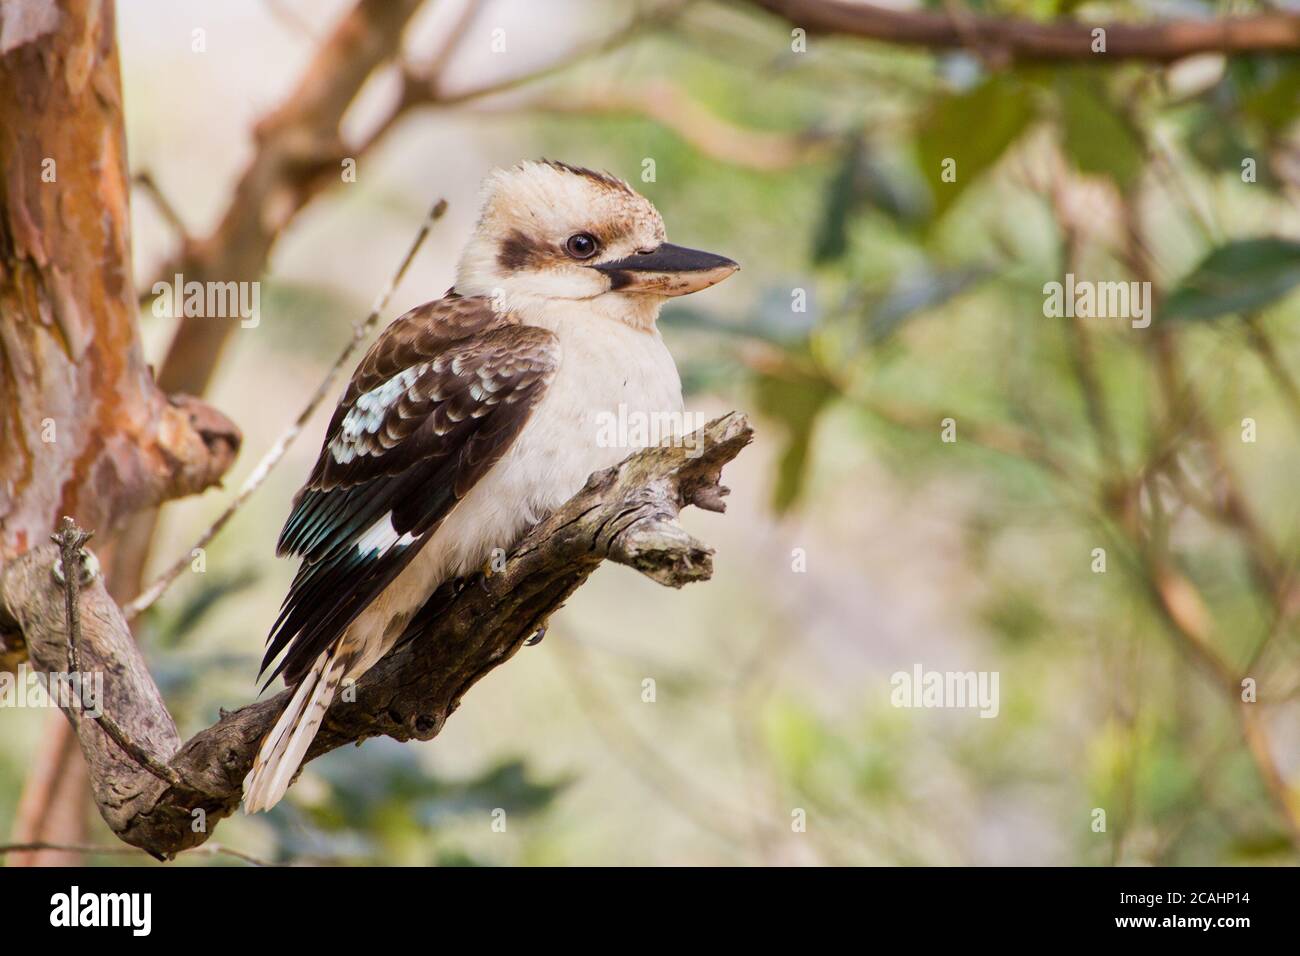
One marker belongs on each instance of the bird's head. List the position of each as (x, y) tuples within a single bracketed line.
[(550, 231)]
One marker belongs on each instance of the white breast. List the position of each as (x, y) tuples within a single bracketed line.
[(608, 372)]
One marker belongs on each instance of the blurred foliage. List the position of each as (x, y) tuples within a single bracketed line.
[(950, 157), (1097, 136), (1240, 277), (378, 803), (795, 401), (920, 295)]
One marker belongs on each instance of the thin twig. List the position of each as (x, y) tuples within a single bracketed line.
[(706, 132), (425, 88), (1256, 336), (450, 41), (1263, 347), (145, 181), (70, 540), (154, 591), (1176, 598), (210, 849), (136, 752), (290, 18), (1079, 340)]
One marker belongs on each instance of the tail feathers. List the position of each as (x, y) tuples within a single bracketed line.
[(285, 746)]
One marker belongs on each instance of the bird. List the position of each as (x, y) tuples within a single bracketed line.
[(470, 419)]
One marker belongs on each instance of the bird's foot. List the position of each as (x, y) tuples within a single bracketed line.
[(490, 569)]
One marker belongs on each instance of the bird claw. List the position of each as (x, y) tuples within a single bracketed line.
[(536, 638), (489, 570)]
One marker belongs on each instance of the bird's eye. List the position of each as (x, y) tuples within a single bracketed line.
[(581, 246)]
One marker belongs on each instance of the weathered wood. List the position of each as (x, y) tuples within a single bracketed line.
[(625, 514)]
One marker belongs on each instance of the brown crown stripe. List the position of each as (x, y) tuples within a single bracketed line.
[(605, 179)]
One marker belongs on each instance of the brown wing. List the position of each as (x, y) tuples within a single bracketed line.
[(432, 406)]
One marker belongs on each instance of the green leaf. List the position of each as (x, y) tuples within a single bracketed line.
[(1218, 140), (795, 400), (842, 199), (862, 181), (1241, 276), (1099, 138), (1270, 90), (974, 129)]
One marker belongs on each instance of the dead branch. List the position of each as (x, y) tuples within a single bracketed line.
[(1012, 38), (626, 514)]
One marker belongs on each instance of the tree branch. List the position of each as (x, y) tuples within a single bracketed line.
[(706, 132), (298, 152), (1012, 38), (626, 514)]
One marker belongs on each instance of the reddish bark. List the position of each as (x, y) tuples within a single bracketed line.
[(83, 428)]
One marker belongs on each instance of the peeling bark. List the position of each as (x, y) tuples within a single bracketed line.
[(84, 430)]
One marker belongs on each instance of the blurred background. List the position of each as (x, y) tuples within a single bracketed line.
[(877, 299)]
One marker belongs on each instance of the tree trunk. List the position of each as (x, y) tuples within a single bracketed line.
[(83, 429)]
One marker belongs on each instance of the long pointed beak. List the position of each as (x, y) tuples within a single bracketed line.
[(668, 270)]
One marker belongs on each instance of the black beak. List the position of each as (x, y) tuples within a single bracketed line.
[(668, 270)]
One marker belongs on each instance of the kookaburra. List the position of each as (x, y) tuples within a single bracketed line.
[(470, 419)]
